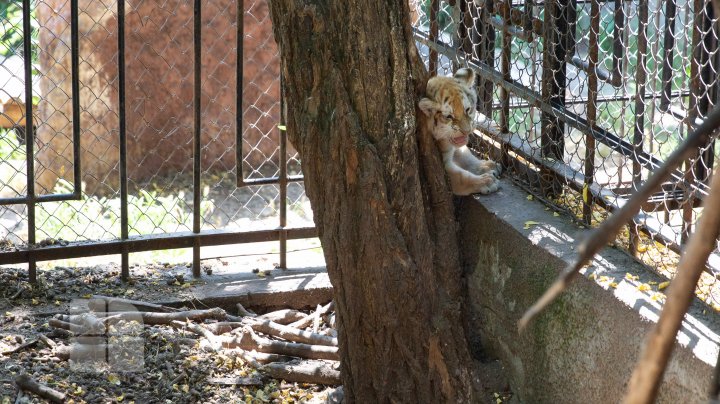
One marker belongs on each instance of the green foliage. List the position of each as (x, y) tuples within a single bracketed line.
[(95, 218), (444, 17), (10, 148), (11, 31)]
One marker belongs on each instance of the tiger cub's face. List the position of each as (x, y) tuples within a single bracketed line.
[(450, 103)]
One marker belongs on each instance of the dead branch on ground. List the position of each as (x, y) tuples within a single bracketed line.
[(319, 372), (293, 334), (27, 383)]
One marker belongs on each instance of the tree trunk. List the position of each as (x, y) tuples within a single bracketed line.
[(352, 79)]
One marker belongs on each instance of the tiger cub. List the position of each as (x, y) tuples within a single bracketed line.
[(450, 105)]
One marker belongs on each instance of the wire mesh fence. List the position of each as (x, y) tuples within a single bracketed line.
[(582, 99), (120, 95)]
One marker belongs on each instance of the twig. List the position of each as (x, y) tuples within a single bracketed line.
[(20, 347), (309, 319), (249, 341), (599, 238), (150, 318), (242, 311), (659, 344), (318, 372), (283, 317), (292, 334), (224, 326), (25, 382), (236, 381), (47, 341)]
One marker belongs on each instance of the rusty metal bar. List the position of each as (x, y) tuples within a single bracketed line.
[(75, 95), (589, 174), (694, 108), (150, 243), (125, 259), (555, 37), (283, 181), (505, 69), (29, 133), (197, 132), (434, 11), (239, 68), (668, 53), (639, 128)]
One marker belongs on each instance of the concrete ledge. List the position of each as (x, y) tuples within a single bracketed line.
[(585, 346), (282, 289)]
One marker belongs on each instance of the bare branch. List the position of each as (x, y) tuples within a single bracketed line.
[(599, 238), (659, 344)]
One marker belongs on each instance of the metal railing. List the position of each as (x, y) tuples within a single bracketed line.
[(583, 99), (138, 113)]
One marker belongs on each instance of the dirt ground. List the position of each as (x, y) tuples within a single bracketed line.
[(175, 368), (175, 365)]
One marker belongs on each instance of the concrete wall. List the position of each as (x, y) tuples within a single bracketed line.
[(583, 349)]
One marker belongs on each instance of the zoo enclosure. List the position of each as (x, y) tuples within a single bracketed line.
[(143, 126), (582, 99)]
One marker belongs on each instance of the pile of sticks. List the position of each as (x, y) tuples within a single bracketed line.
[(284, 344)]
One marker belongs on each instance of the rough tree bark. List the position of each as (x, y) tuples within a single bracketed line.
[(352, 79)]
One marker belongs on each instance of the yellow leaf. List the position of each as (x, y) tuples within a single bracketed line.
[(604, 279), (113, 379), (631, 277), (120, 397), (586, 194), (57, 303), (643, 287), (663, 285), (642, 248), (87, 296), (530, 223), (614, 285), (185, 388), (529, 198), (282, 127), (657, 296), (556, 214), (35, 301)]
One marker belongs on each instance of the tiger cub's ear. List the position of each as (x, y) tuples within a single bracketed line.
[(465, 76), (428, 106)]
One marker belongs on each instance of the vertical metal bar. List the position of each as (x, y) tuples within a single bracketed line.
[(434, 11), (483, 49), (283, 180), (708, 76), (239, 66), (556, 35), (505, 69), (639, 129), (589, 173), (668, 54), (555, 30), (197, 59), (125, 264), (696, 88), (618, 45), (29, 135), (75, 69)]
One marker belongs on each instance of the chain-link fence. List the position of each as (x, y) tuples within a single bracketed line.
[(583, 99), (138, 122)]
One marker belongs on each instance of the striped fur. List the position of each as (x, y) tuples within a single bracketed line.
[(450, 105)]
